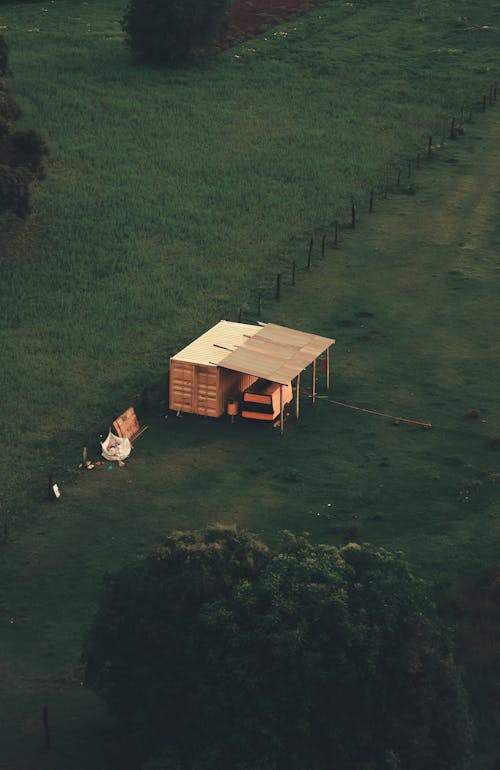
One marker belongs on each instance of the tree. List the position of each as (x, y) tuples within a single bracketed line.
[(216, 652), (166, 30)]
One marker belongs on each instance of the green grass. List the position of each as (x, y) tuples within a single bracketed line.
[(172, 199)]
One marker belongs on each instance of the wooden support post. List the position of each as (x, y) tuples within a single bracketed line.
[(484, 103), (240, 315), (297, 397), (328, 368), (323, 247), (429, 147), (353, 214), (309, 255), (46, 733), (278, 285), (294, 268), (281, 409), (491, 95), (336, 241), (453, 133), (370, 205), (314, 382)]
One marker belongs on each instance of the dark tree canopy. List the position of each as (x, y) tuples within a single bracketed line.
[(218, 653), (166, 30), (22, 152), (4, 56)]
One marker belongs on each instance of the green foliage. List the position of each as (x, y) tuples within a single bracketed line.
[(21, 155), (14, 191), (4, 56), (28, 149), (166, 30), (225, 654), (10, 111)]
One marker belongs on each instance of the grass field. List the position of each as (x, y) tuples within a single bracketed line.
[(172, 199)]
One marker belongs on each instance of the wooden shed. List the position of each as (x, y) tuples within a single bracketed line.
[(199, 383), (218, 366)]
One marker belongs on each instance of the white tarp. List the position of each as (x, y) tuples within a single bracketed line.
[(115, 447)]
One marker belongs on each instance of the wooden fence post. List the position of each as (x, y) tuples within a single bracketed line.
[(370, 205), (429, 146), (294, 267), (309, 255), (46, 733), (353, 214)]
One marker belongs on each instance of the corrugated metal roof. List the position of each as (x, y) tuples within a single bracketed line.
[(216, 343), (270, 351), (276, 353)]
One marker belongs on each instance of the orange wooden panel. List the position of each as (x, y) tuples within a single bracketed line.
[(258, 416), (257, 398), (127, 424)]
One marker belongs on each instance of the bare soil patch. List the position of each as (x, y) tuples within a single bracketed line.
[(249, 18)]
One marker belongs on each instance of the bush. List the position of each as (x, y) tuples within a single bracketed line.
[(166, 30), (216, 652), (14, 191), (28, 149), (9, 108), (21, 155), (4, 56)]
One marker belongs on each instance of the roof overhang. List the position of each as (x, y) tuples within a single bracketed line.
[(276, 353), (269, 351)]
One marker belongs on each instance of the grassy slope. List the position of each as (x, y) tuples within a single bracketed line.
[(173, 197), (171, 200)]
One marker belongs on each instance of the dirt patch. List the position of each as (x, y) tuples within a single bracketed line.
[(249, 18)]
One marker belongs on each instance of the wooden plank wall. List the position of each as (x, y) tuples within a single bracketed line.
[(232, 385), (205, 390)]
